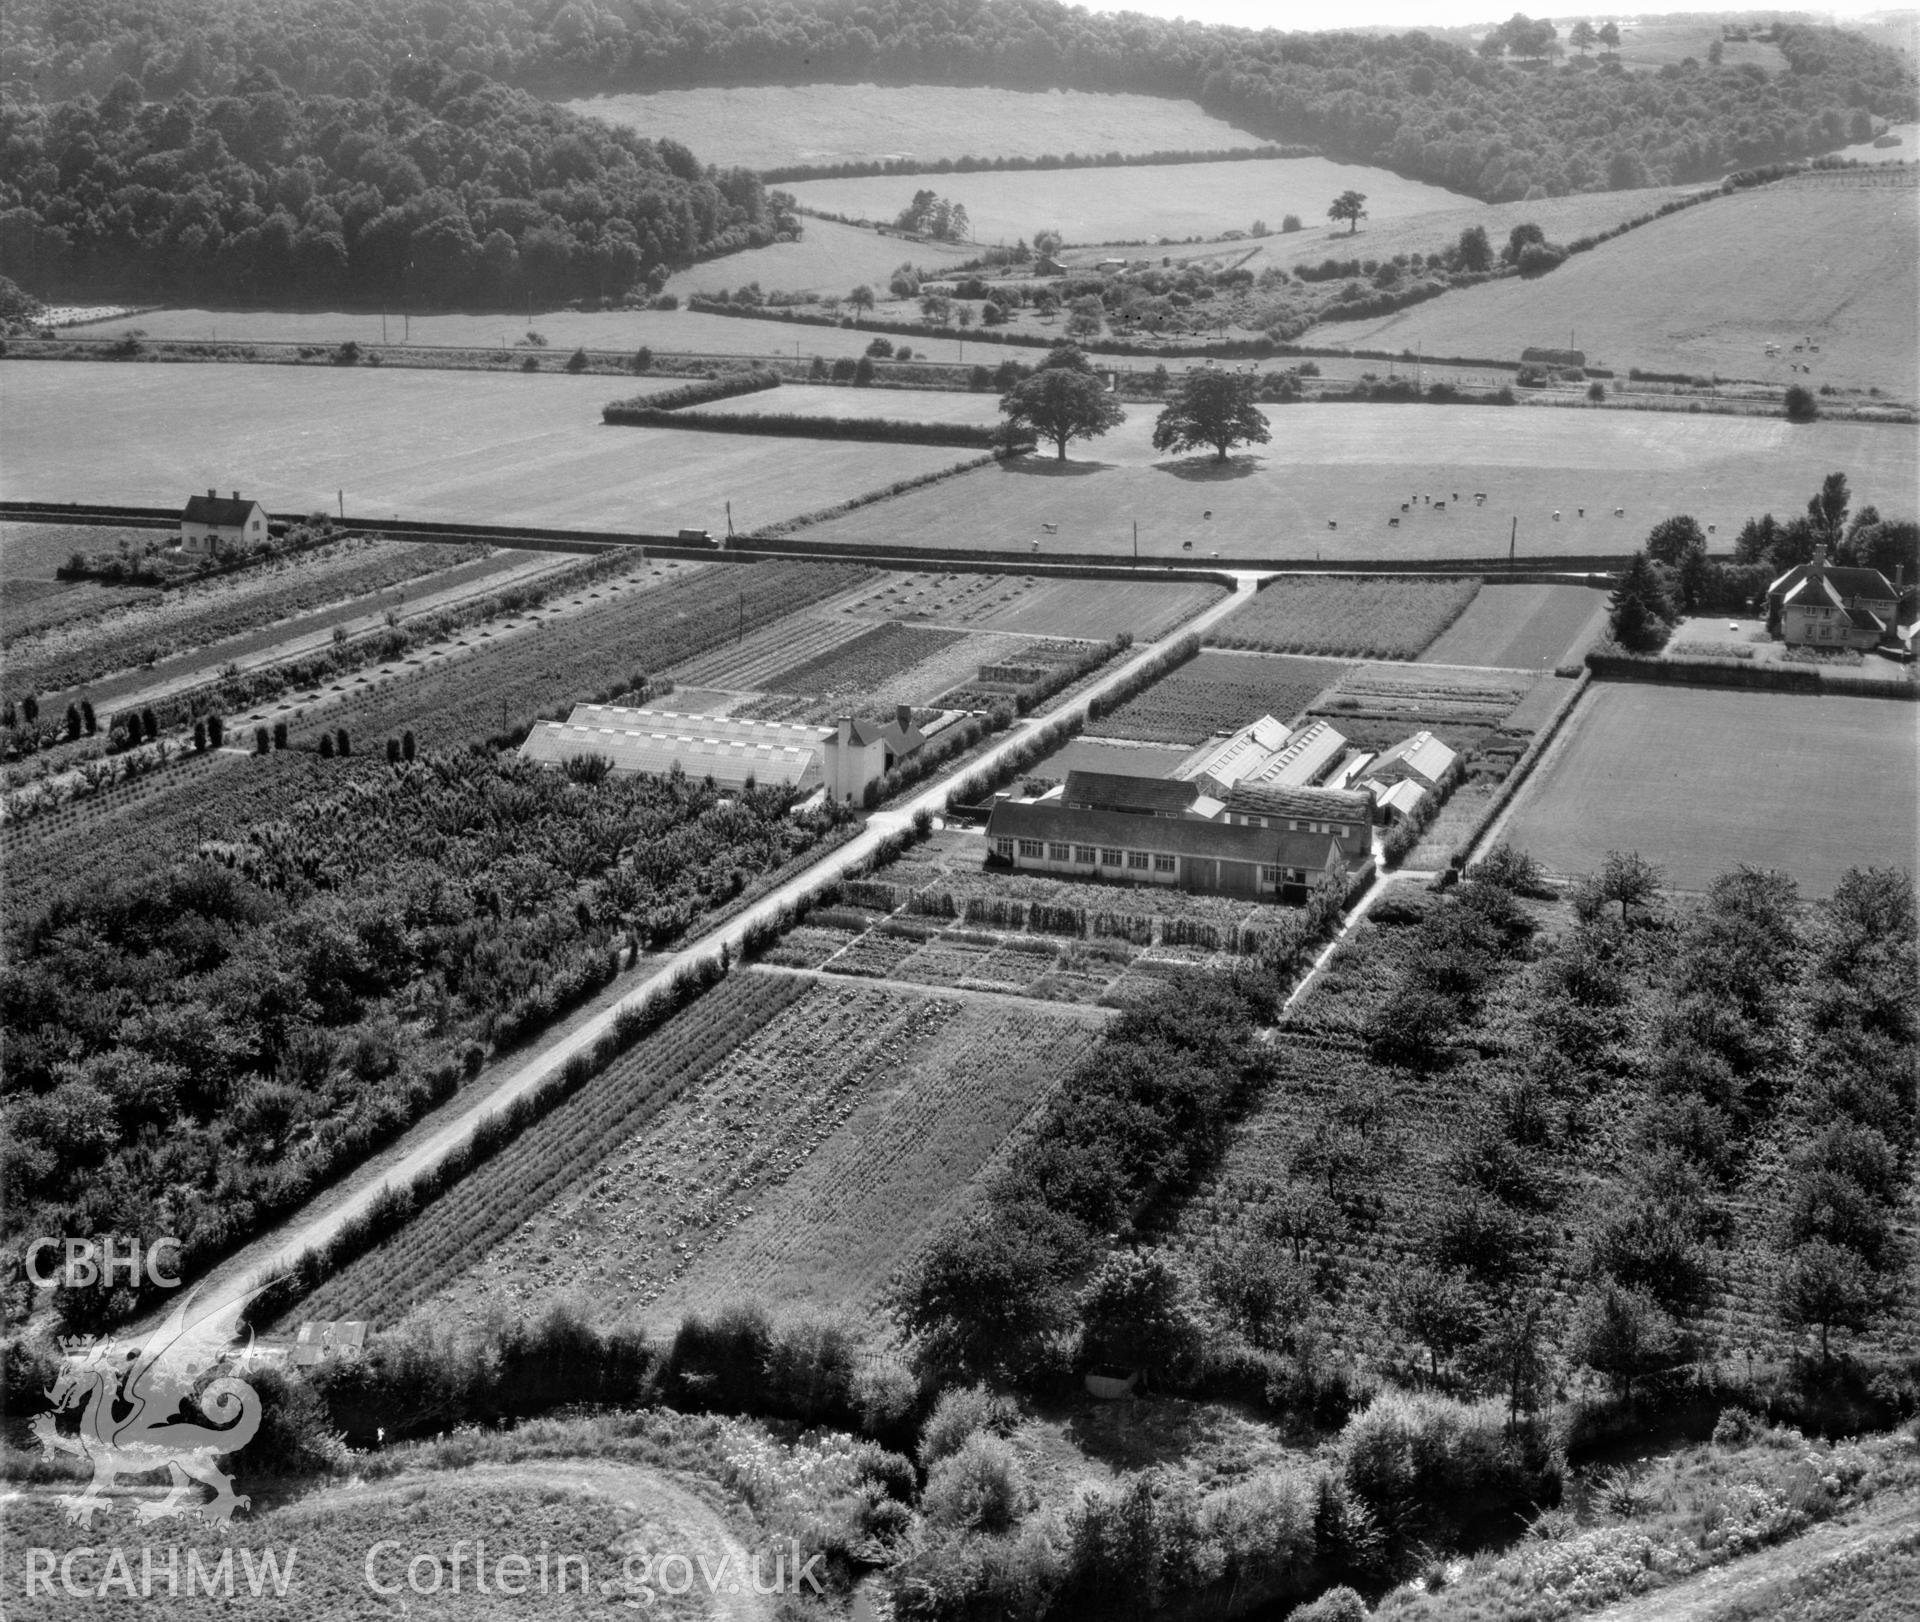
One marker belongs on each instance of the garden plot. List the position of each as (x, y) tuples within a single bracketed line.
[(745, 664), (866, 664), (628, 1219), (1377, 619), (1377, 705), (1095, 610), (33, 598), (1531, 627), (832, 1235), (1218, 692)]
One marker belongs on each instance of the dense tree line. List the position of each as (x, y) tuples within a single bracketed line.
[(441, 188), (1421, 106), (196, 1050)]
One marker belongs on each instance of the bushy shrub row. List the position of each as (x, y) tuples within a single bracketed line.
[(806, 425), (645, 408)]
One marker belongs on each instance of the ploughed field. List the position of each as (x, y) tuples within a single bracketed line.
[(1698, 779), (1354, 466), (494, 448), (767, 126)]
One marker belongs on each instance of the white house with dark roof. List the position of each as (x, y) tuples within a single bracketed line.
[(1268, 844), (856, 753), (1820, 605), (211, 523)]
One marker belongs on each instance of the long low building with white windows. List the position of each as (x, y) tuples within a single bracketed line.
[(1263, 843)]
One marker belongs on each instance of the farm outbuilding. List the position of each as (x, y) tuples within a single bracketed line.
[(213, 522)]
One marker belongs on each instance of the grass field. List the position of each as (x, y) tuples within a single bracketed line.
[(1697, 780), (1562, 218), (825, 400), (1217, 692), (1832, 264), (1136, 205), (766, 126), (1530, 627), (666, 332), (1334, 618), (1355, 465), (487, 447), (830, 258)]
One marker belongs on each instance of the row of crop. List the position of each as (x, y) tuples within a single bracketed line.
[(1369, 617), (648, 408), (211, 700), (610, 1115)]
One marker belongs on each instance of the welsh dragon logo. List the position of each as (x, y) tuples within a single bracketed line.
[(131, 1393)]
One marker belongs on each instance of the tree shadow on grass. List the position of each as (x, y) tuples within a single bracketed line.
[(1210, 469), (1051, 467)]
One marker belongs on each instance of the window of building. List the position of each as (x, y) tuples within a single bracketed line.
[(1269, 875), (1030, 847), (1165, 864), (1003, 847), (1109, 857), (1086, 855), (1059, 853), (1136, 858)]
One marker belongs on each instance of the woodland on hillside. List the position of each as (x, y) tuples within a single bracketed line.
[(445, 188), (428, 178)]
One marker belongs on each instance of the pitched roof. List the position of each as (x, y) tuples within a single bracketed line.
[(1171, 836), (717, 746), (222, 512), (1116, 791), (1867, 620), (1232, 757), (1403, 796), (1305, 755), (1845, 582), (1314, 804), (1423, 754)]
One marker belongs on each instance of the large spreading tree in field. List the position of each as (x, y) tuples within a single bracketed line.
[(1350, 206), (1063, 401), (1214, 408)]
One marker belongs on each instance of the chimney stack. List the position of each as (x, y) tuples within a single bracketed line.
[(236, 495), (903, 713), (1819, 559), (212, 494)]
